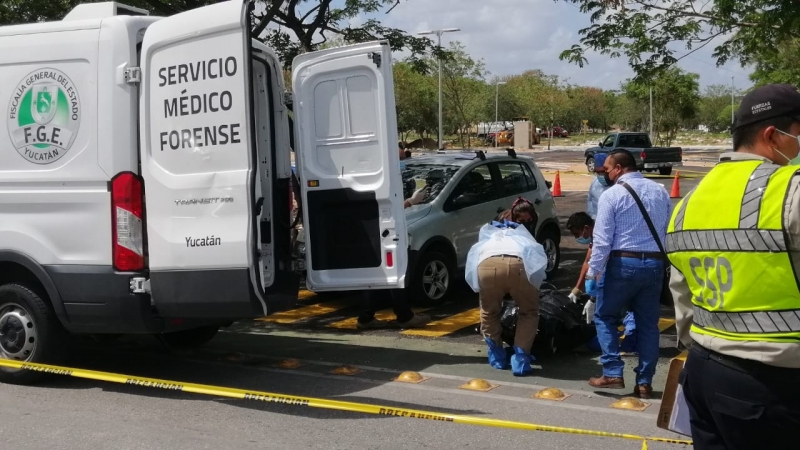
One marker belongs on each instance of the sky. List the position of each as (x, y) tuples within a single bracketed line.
[(512, 36)]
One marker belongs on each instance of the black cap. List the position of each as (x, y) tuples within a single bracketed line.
[(768, 102)]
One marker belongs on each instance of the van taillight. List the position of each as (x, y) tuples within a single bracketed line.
[(127, 208), (644, 155)]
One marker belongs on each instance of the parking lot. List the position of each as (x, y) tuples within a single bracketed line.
[(314, 349)]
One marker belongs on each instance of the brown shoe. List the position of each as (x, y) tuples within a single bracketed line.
[(644, 391), (605, 382)]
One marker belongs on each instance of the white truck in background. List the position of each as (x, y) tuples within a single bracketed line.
[(145, 168)]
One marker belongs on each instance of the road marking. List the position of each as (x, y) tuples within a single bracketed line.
[(568, 263), (663, 324), (447, 325), (296, 315), (385, 314), (305, 294)]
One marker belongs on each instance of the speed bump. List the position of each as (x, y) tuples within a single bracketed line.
[(630, 403), (410, 377), (346, 370), (290, 363), (478, 384), (551, 394)]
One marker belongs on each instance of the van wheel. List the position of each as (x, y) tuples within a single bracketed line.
[(434, 278), (549, 239), (665, 170), (29, 331), (186, 339), (590, 164)]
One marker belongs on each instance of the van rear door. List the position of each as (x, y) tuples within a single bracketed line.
[(198, 161), (347, 160)]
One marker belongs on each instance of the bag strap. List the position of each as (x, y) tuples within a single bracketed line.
[(646, 216)]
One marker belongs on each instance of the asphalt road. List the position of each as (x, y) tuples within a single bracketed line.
[(68, 413)]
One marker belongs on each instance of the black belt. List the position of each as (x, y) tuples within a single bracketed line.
[(637, 255), (748, 366), (507, 256)]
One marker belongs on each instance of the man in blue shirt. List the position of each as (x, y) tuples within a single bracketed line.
[(598, 186), (625, 253)]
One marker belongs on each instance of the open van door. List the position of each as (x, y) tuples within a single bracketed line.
[(348, 163), (198, 161)]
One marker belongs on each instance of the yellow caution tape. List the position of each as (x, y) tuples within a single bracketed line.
[(312, 402)]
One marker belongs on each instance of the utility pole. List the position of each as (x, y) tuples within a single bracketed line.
[(651, 113), (732, 101), (496, 103), (438, 34)]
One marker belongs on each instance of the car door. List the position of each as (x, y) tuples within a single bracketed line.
[(516, 179), (474, 201), (198, 162), (347, 159)]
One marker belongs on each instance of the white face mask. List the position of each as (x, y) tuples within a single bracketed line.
[(796, 159)]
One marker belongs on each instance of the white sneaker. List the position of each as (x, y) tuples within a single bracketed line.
[(373, 324)]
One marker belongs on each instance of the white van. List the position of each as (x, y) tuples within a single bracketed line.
[(145, 169)]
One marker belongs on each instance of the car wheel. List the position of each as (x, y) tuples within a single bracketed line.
[(29, 331), (186, 339), (590, 164), (434, 278), (665, 170), (550, 242)]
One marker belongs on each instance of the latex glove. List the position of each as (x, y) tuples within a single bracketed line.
[(418, 196), (591, 287), (588, 311), (574, 295)]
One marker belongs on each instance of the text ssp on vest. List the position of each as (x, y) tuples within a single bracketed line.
[(715, 279), (197, 92)]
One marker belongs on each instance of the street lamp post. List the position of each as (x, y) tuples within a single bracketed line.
[(732, 101), (496, 103), (438, 34)]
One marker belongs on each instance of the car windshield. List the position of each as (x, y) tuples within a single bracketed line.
[(435, 176)]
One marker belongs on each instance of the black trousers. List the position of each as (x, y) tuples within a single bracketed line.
[(374, 300), (740, 404)]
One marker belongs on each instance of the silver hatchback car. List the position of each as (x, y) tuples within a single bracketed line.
[(465, 191)]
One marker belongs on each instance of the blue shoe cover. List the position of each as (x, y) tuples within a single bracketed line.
[(520, 363), (497, 355)]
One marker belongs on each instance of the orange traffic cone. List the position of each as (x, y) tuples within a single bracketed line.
[(557, 185), (676, 187)]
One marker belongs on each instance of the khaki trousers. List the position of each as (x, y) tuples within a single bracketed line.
[(501, 275)]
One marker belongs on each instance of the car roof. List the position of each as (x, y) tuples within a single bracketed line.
[(459, 157)]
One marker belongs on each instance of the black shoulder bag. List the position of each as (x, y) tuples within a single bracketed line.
[(666, 294)]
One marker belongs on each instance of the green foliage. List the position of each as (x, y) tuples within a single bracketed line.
[(675, 101), (647, 32), (290, 27), (715, 108), (777, 64)]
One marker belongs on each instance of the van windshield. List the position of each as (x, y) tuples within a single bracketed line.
[(436, 176)]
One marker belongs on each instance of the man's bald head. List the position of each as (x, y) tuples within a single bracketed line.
[(624, 159)]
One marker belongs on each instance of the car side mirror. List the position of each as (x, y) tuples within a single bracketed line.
[(549, 184), (601, 143)]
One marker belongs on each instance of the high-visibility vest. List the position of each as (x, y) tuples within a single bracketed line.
[(727, 237)]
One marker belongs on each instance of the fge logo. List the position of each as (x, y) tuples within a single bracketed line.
[(715, 278)]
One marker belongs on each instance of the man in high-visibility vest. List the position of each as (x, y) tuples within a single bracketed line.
[(734, 244)]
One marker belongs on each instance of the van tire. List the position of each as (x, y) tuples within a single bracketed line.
[(664, 171), (551, 240), (24, 309), (187, 339)]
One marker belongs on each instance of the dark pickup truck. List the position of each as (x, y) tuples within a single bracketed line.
[(647, 157)]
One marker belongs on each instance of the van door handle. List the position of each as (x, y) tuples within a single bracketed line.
[(500, 209), (259, 204), (538, 201)]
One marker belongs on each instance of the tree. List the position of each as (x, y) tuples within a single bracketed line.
[(778, 64), (715, 101), (416, 101), (290, 27), (644, 30), (464, 89), (676, 96)]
